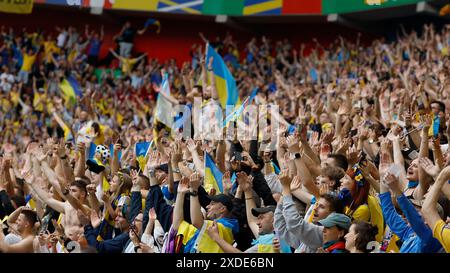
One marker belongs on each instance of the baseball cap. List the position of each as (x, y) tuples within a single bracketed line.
[(224, 199), (336, 219), (95, 165), (257, 211)]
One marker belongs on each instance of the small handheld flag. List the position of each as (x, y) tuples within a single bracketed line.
[(141, 153), (155, 22), (213, 176)]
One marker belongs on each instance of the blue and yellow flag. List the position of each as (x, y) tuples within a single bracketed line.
[(225, 83), (265, 244), (238, 112), (213, 176), (71, 89), (435, 124), (151, 22), (92, 148), (141, 153)]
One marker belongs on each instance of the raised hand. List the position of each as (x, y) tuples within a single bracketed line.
[(282, 129), (426, 121), (40, 155), (213, 231), (177, 154), (28, 176), (247, 159), (226, 181), (428, 166), (325, 150), (284, 178), (183, 186), (296, 183), (91, 189), (153, 161), (391, 181), (244, 181), (194, 181), (210, 64), (106, 197), (191, 145), (276, 245), (327, 137), (81, 147), (134, 177), (117, 147), (152, 214), (293, 145)]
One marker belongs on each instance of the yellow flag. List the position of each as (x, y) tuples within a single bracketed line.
[(17, 6)]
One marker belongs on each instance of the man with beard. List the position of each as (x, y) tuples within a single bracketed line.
[(218, 214)]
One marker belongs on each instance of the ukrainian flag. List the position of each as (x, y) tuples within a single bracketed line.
[(155, 22), (71, 89), (435, 124), (213, 176), (225, 83), (92, 148), (141, 153), (238, 112)]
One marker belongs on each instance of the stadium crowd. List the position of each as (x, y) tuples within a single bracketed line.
[(358, 161)]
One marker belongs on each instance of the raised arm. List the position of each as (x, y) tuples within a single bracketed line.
[(115, 166), (192, 146), (245, 182), (196, 213), (80, 165), (24, 246), (429, 210), (114, 54), (53, 203), (423, 177), (213, 232), (178, 216), (212, 79)]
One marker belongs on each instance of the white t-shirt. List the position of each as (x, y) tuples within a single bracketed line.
[(61, 39), (6, 81)]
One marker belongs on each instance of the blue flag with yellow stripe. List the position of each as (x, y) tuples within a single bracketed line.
[(153, 22), (213, 176), (238, 112), (141, 153), (225, 83)]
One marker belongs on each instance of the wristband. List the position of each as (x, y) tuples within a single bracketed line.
[(194, 193)]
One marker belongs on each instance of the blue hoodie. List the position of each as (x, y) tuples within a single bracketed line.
[(417, 238)]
